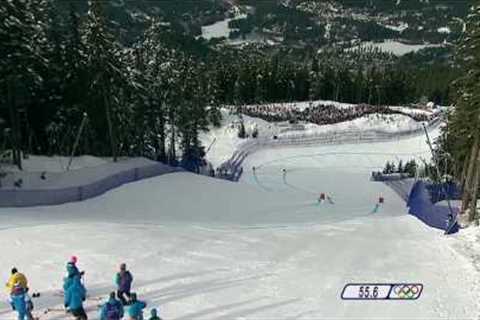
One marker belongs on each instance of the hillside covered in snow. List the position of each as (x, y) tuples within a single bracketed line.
[(260, 248), (222, 142)]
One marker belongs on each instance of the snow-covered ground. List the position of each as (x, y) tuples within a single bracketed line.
[(222, 142), (387, 123), (395, 47), (220, 29), (399, 27), (57, 163), (50, 173), (444, 30), (201, 248)]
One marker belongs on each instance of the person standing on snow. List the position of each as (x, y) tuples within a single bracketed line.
[(449, 221), (154, 315), (72, 269), (124, 280), (135, 312), (112, 310), (72, 273), (74, 298), (16, 278), (21, 302)]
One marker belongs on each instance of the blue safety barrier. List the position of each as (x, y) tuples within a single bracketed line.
[(434, 215)]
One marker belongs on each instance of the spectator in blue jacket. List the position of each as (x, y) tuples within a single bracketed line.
[(74, 298), (135, 311), (21, 302), (72, 269), (72, 272), (124, 280), (112, 310)]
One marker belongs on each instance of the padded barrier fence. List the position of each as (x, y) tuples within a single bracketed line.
[(431, 213), (71, 192)]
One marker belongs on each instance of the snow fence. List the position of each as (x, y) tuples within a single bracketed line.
[(421, 205), (232, 168), (41, 189)]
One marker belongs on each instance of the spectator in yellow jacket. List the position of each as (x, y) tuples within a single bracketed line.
[(16, 278)]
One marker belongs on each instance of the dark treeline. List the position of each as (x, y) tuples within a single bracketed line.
[(68, 84), (458, 149), (251, 76)]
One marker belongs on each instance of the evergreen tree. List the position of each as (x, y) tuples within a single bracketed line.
[(193, 116), (464, 126), (255, 133), (242, 133), (155, 62), (22, 37), (106, 77), (411, 168)]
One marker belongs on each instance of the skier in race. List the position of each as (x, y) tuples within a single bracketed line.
[(321, 198), (112, 309), (330, 200), (154, 315), (135, 311), (16, 278), (74, 298), (124, 280), (380, 202), (21, 302)]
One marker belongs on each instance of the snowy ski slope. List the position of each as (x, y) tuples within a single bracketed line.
[(202, 248)]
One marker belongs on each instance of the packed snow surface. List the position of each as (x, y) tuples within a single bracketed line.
[(219, 29), (51, 172), (58, 163), (395, 47), (223, 141), (399, 27), (444, 30), (263, 248), (386, 123)]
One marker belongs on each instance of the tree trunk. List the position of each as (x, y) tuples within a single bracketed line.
[(113, 140), (463, 175), (172, 154), (337, 91), (161, 138), (474, 191), (15, 134), (468, 180)]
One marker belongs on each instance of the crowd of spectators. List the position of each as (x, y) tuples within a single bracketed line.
[(321, 114)]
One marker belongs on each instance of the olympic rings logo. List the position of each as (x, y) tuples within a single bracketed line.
[(407, 291)]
